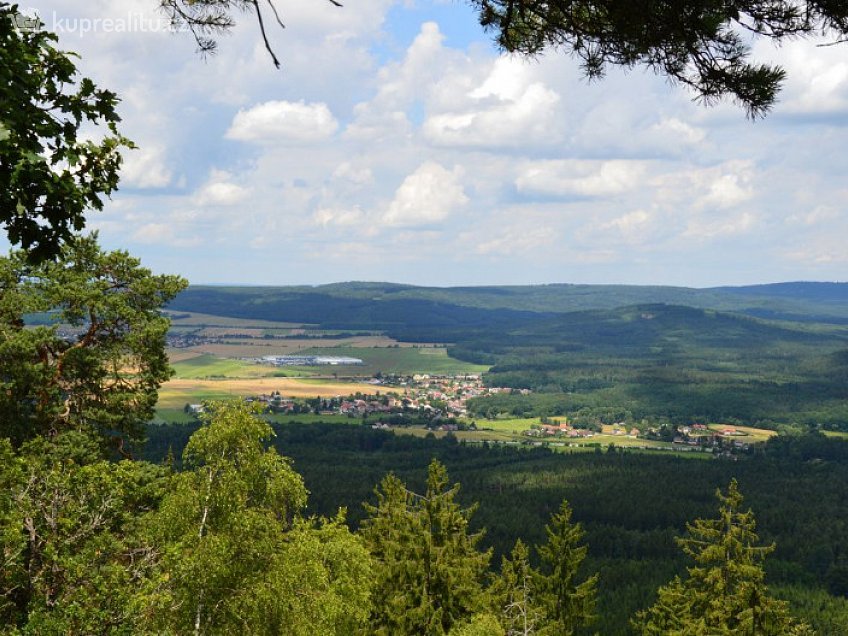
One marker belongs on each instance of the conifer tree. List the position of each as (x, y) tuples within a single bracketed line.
[(514, 593), (725, 591), (566, 603), (428, 570)]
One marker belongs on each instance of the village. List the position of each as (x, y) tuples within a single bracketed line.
[(438, 403), (401, 400)]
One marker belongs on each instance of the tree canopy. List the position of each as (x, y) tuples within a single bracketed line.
[(702, 44), (51, 173), (725, 591), (82, 342)]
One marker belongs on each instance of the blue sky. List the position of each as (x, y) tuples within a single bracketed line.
[(397, 144)]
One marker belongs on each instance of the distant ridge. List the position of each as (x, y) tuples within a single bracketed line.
[(381, 303)]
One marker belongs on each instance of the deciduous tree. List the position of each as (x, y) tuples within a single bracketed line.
[(51, 173), (238, 557), (71, 561)]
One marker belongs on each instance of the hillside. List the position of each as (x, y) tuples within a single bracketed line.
[(592, 350), (354, 303)]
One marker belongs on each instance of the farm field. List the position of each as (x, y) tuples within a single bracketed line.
[(563, 445), (747, 434), (256, 347), (195, 319), (207, 366), (400, 360), (177, 392)]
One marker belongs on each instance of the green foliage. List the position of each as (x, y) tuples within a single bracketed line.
[(567, 604), (479, 625), (237, 555), (631, 505), (71, 559), (725, 591), (514, 593), (698, 43), (100, 363), (428, 570), (51, 172)]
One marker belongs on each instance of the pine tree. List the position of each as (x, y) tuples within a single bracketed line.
[(725, 591), (566, 603), (428, 570)]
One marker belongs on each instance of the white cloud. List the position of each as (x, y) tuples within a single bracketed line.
[(633, 226), (720, 226), (428, 195), (220, 192), (570, 177), (509, 108), (165, 234), (344, 217), (817, 77), (357, 175), (678, 131), (276, 121), (145, 168), (515, 240)]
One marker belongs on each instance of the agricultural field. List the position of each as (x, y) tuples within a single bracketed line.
[(407, 360), (176, 393), (194, 319), (258, 347), (207, 366), (747, 434)]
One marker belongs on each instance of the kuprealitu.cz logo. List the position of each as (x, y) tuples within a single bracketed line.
[(28, 20)]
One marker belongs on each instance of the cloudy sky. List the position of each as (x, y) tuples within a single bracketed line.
[(397, 145)]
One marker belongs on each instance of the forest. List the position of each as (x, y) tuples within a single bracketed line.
[(632, 506)]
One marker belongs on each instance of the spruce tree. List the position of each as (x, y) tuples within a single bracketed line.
[(428, 570), (514, 593), (566, 603), (725, 591)]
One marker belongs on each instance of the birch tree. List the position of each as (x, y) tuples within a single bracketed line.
[(238, 556)]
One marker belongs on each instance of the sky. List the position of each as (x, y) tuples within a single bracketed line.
[(397, 144)]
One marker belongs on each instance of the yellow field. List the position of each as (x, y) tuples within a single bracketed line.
[(749, 433), (178, 392)]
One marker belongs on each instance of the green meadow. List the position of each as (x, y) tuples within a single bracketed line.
[(399, 360), (207, 365)]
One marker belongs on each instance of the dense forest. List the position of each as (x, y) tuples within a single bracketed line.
[(632, 506)]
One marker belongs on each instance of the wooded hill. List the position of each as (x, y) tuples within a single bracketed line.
[(685, 354)]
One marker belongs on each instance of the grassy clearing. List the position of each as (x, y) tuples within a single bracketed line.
[(401, 360), (836, 434)]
